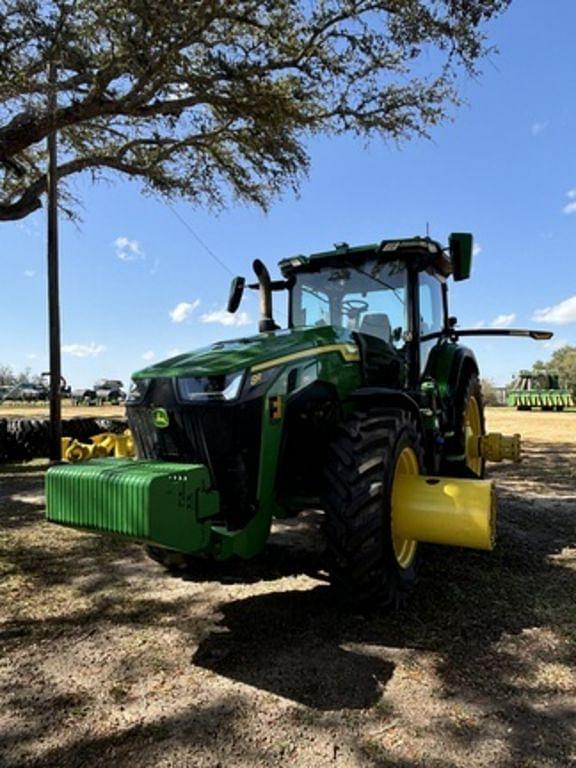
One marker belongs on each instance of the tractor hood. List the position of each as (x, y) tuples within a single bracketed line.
[(225, 357)]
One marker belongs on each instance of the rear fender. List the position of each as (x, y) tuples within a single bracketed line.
[(449, 366)]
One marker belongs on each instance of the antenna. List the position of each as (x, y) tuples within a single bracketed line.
[(427, 229)]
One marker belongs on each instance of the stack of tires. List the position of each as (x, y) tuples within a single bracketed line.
[(24, 439), (4, 441)]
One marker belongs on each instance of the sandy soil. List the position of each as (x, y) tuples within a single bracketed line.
[(534, 425), (105, 660), (39, 411)]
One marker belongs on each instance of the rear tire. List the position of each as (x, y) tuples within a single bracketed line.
[(469, 408), (367, 564)]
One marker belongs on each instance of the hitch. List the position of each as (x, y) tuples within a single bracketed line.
[(495, 446)]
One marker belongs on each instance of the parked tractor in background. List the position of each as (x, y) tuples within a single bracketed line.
[(539, 389), (36, 391), (366, 407), (104, 392), (26, 392), (109, 391)]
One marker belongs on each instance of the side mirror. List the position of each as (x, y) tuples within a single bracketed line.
[(460, 245), (236, 291)]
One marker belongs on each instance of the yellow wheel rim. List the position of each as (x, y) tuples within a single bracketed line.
[(472, 431), (404, 549)]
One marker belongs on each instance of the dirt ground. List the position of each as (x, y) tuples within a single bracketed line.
[(105, 660), (40, 410)]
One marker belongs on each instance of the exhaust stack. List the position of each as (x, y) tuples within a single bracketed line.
[(266, 322)]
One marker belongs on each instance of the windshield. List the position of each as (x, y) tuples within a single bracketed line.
[(369, 298)]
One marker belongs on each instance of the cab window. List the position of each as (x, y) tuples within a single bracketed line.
[(431, 312), (369, 298)]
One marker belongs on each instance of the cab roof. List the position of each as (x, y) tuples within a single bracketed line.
[(424, 250)]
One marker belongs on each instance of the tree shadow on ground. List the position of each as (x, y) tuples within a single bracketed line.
[(295, 548), (289, 643), (109, 577), (548, 468), (189, 730), (21, 500), (304, 646), (465, 604)]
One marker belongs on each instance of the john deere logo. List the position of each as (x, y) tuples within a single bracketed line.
[(160, 418)]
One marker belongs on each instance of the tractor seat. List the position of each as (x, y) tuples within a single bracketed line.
[(377, 324)]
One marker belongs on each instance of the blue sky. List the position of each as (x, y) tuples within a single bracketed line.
[(137, 285)]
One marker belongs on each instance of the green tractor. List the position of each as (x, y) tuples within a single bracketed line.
[(365, 407), (539, 389)]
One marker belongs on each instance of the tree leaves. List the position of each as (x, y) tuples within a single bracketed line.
[(210, 98)]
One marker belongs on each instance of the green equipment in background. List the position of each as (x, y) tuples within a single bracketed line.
[(539, 390)]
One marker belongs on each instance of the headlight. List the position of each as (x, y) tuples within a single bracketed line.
[(137, 390), (206, 388)]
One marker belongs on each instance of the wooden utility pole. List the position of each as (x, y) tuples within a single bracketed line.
[(53, 280)]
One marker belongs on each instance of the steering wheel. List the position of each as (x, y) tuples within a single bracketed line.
[(353, 307)]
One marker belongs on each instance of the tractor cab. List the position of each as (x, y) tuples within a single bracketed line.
[(389, 298), (388, 295)]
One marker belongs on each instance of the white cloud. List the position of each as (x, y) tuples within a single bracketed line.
[(149, 355), (128, 250), (183, 310), (30, 272), (477, 249), (479, 324), (559, 314), (538, 127), (174, 352), (503, 321), (31, 355), (571, 206), (83, 350), (226, 318)]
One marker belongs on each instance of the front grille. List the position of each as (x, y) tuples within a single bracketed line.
[(144, 434), (225, 437)]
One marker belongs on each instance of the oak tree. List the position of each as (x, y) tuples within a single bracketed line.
[(205, 98), (562, 361)]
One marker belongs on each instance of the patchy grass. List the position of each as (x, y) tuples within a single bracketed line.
[(106, 660)]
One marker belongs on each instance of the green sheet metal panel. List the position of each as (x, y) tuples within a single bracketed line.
[(168, 504)]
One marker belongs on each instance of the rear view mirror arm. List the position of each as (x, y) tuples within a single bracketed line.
[(525, 333)]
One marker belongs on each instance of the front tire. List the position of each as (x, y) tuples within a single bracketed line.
[(368, 564)]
